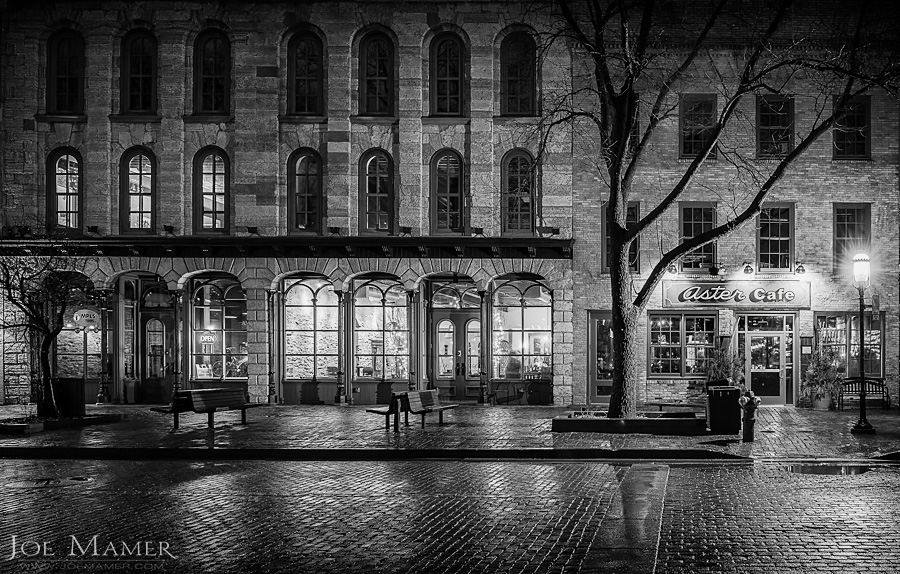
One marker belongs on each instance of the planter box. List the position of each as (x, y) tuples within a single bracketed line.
[(20, 428), (682, 424)]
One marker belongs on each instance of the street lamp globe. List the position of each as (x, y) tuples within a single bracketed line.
[(861, 268)]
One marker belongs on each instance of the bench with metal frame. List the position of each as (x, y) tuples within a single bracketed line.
[(207, 401), (874, 386)]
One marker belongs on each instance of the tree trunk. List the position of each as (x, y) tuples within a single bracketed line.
[(46, 406), (625, 315)]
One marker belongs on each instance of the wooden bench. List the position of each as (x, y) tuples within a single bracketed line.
[(207, 401), (874, 386), (393, 408), (422, 403)]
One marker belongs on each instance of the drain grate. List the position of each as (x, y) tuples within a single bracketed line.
[(50, 482), (832, 469)]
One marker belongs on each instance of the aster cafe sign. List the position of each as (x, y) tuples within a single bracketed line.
[(757, 294)]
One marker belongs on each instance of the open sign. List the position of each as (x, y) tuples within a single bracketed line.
[(86, 318), (209, 337)]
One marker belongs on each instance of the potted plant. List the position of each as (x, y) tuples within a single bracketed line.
[(822, 378), (723, 365)]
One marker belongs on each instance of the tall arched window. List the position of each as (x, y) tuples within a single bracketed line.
[(305, 75), (447, 81), (376, 75), (212, 73), (521, 333), (517, 207), (305, 191), (65, 73), (517, 75), (218, 329), (139, 61), (64, 189), (138, 191), (376, 193), (310, 329), (381, 330), (211, 187), (447, 207)]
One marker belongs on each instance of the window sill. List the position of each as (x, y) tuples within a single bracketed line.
[(374, 120), (298, 119), (445, 120), (61, 119), (852, 159), (207, 119), (135, 118), (527, 120)]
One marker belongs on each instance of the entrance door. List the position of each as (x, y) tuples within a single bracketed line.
[(767, 344), (456, 353), (156, 359)]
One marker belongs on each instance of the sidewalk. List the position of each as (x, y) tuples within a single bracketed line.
[(482, 431)]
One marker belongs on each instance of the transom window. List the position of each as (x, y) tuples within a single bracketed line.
[(774, 125), (447, 75), (139, 73), (305, 74), (776, 239), (65, 73), (517, 198), (212, 69), (852, 232), (305, 191), (211, 191), (447, 193), (376, 75), (138, 191), (517, 75), (698, 117), (310, 329), (64, 193), (681, 345), (377, 193), (852, 132), (696, 219)]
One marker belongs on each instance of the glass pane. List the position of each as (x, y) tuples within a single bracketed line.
[(765, 352)]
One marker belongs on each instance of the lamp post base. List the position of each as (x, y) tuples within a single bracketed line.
[(862, 426)]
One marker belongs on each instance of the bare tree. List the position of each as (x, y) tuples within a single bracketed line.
[(41, 280), (632, 57)]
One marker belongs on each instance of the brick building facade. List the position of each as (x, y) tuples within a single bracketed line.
[(333, 200)]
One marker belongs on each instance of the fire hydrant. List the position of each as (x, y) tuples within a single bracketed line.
[(749, 403)]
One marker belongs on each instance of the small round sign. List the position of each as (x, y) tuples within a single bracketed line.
[(86, 318)]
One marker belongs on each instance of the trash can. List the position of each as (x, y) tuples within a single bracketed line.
[(723, 411), (69, 394)]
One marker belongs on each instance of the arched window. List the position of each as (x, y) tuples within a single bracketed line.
[(381, 330), (138, 191), (310, 329), (64, 189), (517, 75), (212, 73), (139, 61), (218, 329), (517, 207), (521, 332), (376, 193), (447, 75), (65, 73), (376, 75), (211, 191), (305, 71), (447, 209), (305, 191)]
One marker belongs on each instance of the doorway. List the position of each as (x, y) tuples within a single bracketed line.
[(456, 353), (766, 342), (156, 366)]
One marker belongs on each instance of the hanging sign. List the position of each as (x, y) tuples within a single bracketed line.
[(743, 294), (86, 318)]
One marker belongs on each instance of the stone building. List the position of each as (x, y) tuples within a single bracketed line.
[(326, 202)]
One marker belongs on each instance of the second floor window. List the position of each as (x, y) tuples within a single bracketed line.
[(305, 71), (446, 75), (447, 193), (852, 232), (774, 126), (696, 219), (852, 132), (517, 193), (64, 189), (137, 192), (305, 191), (65, 73), (139, 73), (211, 191), (376, 76), (212, 73), (376, 208), (698, 118), (517, 75), (776, 239)]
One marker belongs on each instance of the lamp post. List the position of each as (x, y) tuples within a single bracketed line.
[(861, 268)]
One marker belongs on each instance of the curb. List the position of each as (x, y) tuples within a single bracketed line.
[(344, 454)]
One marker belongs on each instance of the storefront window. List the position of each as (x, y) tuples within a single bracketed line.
[(310, 329), (219, 331), (129, 309), (601, 356), (680, 345), (521, 331), (381, 330), (840, 332)]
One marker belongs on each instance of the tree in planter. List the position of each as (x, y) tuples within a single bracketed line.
[(723, 364), (822, 378), (41, 280), (633, 57)]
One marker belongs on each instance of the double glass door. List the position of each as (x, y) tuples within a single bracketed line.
[(767, 344), (457, 353)]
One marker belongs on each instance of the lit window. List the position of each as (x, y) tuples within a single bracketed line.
[(447, 193), (376, 193), (517, 193), (138, 190), (64, 189), (305, 191), (211, 191)]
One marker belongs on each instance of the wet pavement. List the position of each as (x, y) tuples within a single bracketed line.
[(492, 490)]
